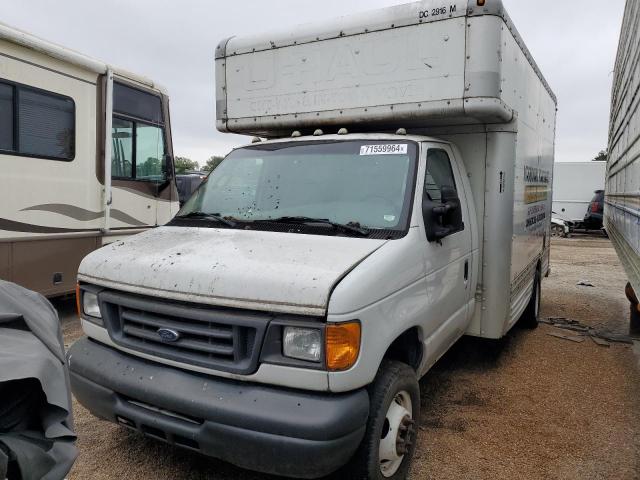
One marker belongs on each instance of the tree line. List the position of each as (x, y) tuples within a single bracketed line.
[(183, 164)]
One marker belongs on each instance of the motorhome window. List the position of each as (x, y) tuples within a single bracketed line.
[(366, 183), (138, 136), (122, 151), (46, 125), (439, 174), (150, 157), (36, 123), (135, 103), (6, 117), (138, 151)]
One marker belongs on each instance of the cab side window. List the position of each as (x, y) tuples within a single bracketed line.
[(439, 175), (441, 205)]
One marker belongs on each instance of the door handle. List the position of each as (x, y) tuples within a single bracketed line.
[(466, 270)]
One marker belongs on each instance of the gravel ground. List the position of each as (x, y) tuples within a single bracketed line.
[(529, 406)]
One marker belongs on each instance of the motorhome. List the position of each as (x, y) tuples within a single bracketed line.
[(396, 196), (86, 153), (622, 200)]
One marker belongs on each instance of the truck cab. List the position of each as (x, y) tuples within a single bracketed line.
[(295, 236)]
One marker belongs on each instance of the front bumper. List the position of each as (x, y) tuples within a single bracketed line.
[(267, 429)]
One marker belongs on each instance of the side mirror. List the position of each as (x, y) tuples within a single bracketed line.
[(442, 219)]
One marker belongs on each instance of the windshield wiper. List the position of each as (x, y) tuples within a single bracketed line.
[(212, 217), (351, 227)]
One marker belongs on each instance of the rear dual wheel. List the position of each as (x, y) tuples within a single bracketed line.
[(390, 439), (531, 316)]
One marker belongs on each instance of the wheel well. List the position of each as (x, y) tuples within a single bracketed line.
[(407, 348)]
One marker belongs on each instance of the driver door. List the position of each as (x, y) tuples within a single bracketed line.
[(447, 261)]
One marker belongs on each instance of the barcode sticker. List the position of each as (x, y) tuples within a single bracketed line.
[(386, 149)]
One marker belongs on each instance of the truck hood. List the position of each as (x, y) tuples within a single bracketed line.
[(277, 272)]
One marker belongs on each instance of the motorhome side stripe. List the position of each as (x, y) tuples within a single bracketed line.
[(82, 214), (11, 226)]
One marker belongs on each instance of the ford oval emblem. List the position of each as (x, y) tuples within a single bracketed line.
[(167, 335)]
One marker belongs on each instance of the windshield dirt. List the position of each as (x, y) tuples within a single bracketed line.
[(351, 183)]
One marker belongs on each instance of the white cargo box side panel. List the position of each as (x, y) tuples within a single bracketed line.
[(405, 65), (522, 88)]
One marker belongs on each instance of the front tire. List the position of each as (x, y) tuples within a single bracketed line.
[(531, 316), (390, 439)]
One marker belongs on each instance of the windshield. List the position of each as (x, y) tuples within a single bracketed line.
[(368, 184)]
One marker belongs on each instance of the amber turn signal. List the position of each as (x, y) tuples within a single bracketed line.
[(342, 345), (78, 304), (481, 3)]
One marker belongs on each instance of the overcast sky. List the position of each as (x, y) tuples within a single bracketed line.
[(173, 42)]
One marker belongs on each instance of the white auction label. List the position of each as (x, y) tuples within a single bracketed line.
[(386, 149)]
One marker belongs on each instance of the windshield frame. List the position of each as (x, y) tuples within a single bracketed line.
[(397, 232)]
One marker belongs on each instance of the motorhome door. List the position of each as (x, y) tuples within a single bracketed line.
[(139, 157)]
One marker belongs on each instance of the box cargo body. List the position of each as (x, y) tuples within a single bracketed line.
[(622, 204), (426, 63), (574, 184), (401, 200), (455, 71)]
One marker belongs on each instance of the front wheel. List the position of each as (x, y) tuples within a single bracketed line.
[(390, 439)]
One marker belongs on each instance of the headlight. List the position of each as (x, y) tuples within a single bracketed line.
[(302, 343), (90, 305)]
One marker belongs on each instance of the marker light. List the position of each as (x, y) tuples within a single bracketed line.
[(342, 345), (78, 293)]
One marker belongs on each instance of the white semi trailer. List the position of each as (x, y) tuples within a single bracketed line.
[(622, 201), (282, 321), (574, 186)]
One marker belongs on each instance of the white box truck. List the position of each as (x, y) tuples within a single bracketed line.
[(622, 201), (282, 321)]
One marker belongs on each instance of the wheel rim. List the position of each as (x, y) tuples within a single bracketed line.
[(397, 435)]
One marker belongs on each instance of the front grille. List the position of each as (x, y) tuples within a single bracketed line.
[(222, 339)]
